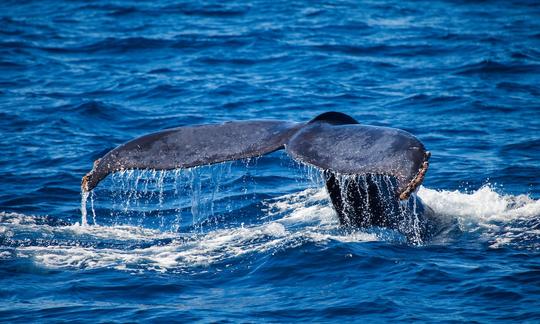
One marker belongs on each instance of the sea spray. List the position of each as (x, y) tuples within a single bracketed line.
[(195, 183), (159, 198), (84, 198), (190, 198), (369, 201)]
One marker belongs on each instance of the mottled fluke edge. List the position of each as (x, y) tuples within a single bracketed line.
[(417, 180), (331, 141)]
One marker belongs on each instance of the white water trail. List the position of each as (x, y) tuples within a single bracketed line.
[(291, 220), (92, 194), (483, 205), (84, 199)]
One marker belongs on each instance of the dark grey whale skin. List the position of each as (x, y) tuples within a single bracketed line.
[(346, 147), (191, 146), (334, 142), (355, 159)]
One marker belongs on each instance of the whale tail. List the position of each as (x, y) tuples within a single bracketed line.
[(333, 142)]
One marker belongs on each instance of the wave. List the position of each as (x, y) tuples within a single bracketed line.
[(221, 11), (500, 220), (123, 45), (94, 109), (402, 50), (289, 221), (115, 45), (484, 204), (494, 67)]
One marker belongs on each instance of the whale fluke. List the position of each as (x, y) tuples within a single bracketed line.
[(334, 142), (331, 141), (343, 146), (191, 146)]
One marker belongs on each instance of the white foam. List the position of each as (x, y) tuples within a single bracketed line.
[(179, 254), (292, 220), (309, 218), (309, 205), (502, 220), (484, 204), (17, 223), (16, 218)]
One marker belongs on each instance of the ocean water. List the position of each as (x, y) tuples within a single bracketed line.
[(257, 240)]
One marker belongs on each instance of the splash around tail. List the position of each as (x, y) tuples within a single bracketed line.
[(333, 142)]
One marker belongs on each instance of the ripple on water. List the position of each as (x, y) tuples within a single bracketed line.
[(81, 78)]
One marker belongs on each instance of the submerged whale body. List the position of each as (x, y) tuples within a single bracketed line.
[(370, 172)]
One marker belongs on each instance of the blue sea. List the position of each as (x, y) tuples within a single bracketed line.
[(257, 240)]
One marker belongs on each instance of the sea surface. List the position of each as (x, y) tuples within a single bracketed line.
[(257, 240)]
